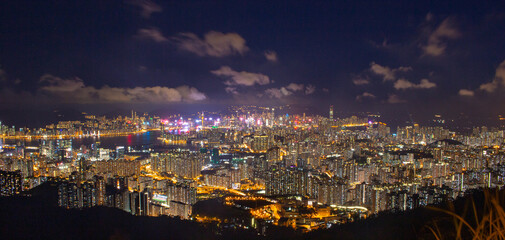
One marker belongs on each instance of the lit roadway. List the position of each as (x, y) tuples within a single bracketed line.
[(205, 189)]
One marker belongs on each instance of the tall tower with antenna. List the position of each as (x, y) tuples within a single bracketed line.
[(331, 112)]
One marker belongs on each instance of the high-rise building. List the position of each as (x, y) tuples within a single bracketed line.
[(182, 192), (120, 151), (331, 112), (291, 180), (10, 183), (184, 164), (73, 195), (100, 190)]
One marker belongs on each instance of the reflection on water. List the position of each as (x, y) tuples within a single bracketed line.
[(132, 140), (142, 139)]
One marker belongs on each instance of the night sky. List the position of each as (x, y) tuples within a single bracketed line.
[(414, 56)]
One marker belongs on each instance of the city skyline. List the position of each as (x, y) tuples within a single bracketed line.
[(254, 169), (135, 119), (438, 57)]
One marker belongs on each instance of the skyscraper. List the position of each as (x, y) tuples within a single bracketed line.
[(331, 112)]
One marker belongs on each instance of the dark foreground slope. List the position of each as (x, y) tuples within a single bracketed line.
[(31, 218), (24, 218)]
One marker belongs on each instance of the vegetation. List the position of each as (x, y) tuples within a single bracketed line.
[(480, 220)]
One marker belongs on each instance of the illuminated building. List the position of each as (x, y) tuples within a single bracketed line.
[(136, 203), (74, 195), (120, 167), (218, 179), (261, 143), (215, 156), (184, 164), (120, 151), (397, 201), (180, 209), (100, 187), (115, 197), (182, 192), (10, 183), (331, 113), (282, 181)]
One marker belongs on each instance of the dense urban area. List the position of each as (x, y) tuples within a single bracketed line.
[(251, 169)]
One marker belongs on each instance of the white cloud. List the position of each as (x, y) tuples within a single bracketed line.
[(498, 81), (215, 44), (271, 56), (364, 96), (148, 7), (241, 78), (405, 84), (290, 89), (190, 93), (387, 73), (425, 83), (276, 92), (232, 90), (466, 92), (151, 33), (295, 87), (310, 89), (74, 91), (393, 98), (437, 44), (360, 81), (489, 87)]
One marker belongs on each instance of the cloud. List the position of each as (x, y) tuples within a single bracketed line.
[(498, 80), (56, 84), (277, 92), (393, 98), (271, 56), (232, 90), (387, 73), (425, 83), (74, 90), (290, 89), (360, 81), (364, 96), (241, 78), (326, 90), (310, 89), (489, 87), (274, 93), (429, 17), (466, 92), (405, 84), (295, 87), (437, 44), (148, 7), (151, 33), (215, 44)]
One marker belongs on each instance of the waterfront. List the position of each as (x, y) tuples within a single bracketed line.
[(149, 139)]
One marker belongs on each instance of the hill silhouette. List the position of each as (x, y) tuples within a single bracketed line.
[(33, 218)]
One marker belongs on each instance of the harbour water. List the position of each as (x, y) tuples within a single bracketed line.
[(146, 139)]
